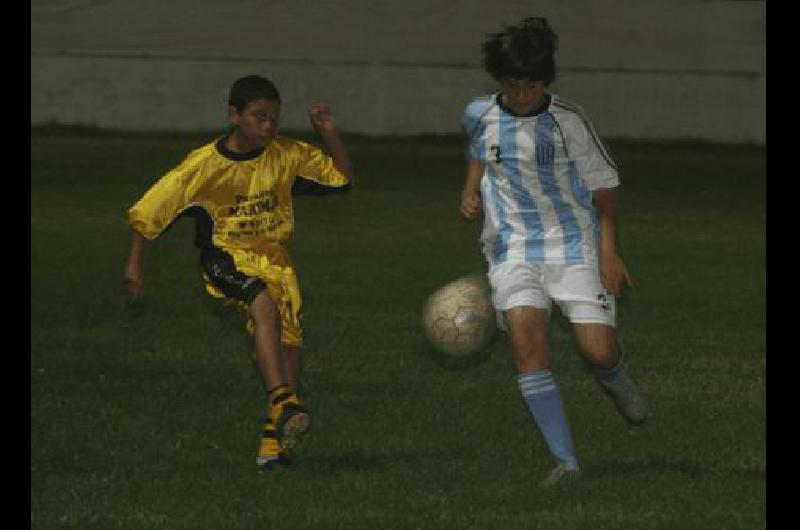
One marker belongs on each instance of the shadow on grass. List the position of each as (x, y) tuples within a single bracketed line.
[(344, 462), (353, 460), (653, 468), (455, 362)]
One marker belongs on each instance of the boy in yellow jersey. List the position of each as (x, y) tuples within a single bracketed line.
[(239, 189)]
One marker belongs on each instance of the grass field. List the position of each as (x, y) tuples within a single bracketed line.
[(148, 417)]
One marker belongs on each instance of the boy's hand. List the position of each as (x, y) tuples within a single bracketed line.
[(470, 205), (321, 117), (134, 281), (614, 274)]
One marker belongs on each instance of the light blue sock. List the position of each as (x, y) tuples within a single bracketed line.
[(544, 402)]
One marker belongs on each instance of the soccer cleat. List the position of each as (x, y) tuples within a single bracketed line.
[(282, 461), (291, 418), (627, 397), (561, 474), (293, 422)]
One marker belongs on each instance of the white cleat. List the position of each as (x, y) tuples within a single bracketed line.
[(561, 474), (627, 397)]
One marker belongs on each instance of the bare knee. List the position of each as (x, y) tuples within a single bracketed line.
[(528, 329), (600, 356), (531, 356), (597, 344), (530, 342)]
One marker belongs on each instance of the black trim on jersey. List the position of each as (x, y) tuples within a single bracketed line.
[(535, 112), (306, 186), (563, 139), (588, 124), (217, 264), (203, 226), (233, 155)]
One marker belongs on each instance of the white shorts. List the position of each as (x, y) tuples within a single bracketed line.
[(576, 288)]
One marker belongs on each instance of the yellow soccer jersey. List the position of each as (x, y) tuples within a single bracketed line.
[(247, 198)]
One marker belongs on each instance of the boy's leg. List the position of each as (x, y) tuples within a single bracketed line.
[(223, 279), (292, 355), (528, 328), (271, 455), (518, 294), (592, 311), (290, 418), (599, 347), (266, 332)]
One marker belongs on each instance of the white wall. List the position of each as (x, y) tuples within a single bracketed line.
[(640, 68)]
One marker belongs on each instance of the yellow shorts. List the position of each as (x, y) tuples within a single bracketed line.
[(238, 277)]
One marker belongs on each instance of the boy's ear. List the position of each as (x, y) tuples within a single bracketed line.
[(233, 115)]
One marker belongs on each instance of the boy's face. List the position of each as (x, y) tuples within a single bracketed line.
[(523, 95), (258, 122)]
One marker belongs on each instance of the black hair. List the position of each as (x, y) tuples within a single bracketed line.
[(250, 88), (525, 51)]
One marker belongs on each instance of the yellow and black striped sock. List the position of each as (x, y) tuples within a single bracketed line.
[(280, 393), (269, 449), (290, 417), (279, 397)]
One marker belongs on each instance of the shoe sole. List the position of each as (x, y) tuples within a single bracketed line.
[(636, 422), (293, 428), (565, 479), (273, 465)]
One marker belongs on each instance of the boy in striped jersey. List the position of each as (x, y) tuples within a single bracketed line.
[(547, 189), (238, 188)]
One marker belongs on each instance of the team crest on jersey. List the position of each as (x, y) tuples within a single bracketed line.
[(545, 153)]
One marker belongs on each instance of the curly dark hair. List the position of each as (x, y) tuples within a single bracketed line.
[(525, 51), (250, 88)]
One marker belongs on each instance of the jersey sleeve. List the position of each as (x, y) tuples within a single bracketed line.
[(166, 199), (316, 168), (593, 160), (472, 126)]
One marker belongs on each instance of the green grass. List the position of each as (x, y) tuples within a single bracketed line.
[(148, 417)]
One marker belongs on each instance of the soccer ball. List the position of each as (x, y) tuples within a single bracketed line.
[(458, 319)]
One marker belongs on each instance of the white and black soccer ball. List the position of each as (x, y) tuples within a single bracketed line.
[(458, 318)]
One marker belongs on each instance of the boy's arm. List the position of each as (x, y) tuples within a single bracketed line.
[(322, 119), (471, 196), (134, 271), (613, 272), (156, 210)]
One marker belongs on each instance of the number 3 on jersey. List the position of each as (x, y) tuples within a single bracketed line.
[(496, 152)]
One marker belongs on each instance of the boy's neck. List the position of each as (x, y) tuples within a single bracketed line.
[(238, 143), (236, 152), (532, 110)]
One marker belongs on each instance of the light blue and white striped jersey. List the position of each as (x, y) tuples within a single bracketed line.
[(536, 188)]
